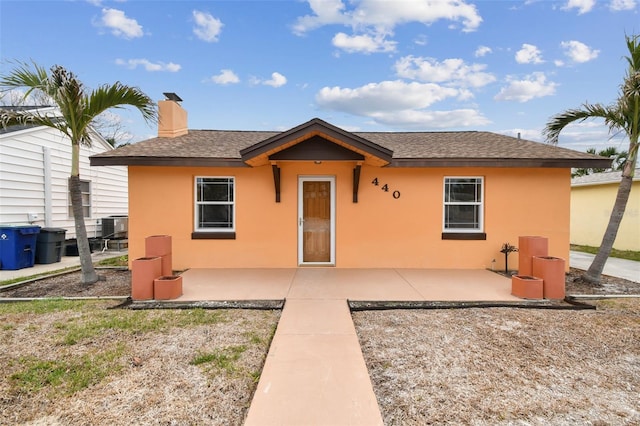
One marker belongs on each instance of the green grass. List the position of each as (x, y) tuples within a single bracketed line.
[(88, 321), (115, 261), (253, 337), (93, 320), (226, 359), (44, 306), (621, 254), (222, 359), (134, 322), (66, 376)]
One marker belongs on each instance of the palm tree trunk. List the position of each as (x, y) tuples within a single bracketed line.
[(89, 275), (594, 273)]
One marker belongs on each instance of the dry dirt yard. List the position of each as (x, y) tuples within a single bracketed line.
[(505, 366), (81, 363)]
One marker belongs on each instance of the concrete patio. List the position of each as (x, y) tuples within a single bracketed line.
[(345, 284)]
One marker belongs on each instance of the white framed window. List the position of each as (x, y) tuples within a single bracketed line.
[(214, 204), (463, 204), (85, 189)]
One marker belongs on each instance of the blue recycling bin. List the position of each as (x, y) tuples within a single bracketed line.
[(18, 246)]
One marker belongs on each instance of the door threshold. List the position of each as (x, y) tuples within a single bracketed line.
[(311, 265)]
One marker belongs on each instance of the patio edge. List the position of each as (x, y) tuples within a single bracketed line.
[(205, 304), (566, 304)]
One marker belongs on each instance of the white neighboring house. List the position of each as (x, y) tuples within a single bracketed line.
[(35, 164)]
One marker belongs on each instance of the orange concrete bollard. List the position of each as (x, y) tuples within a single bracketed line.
[(528, 247), (526, 287), (157, 245), (167, 267), (143, 272), (167, 287), (160, 246), (551, 270)]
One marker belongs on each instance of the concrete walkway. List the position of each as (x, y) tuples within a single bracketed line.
[(315, 373), (621, 268)]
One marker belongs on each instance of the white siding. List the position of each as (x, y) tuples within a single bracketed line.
[(22, 175)]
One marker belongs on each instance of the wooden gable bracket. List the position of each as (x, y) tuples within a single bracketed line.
[(356, 181), (276, 180)]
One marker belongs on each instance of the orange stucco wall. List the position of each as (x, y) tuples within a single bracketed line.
[(379, 231)]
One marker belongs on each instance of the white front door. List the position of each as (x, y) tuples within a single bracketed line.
[(316, 220)]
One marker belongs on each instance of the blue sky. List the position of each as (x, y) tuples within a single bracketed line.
[(367, 65)]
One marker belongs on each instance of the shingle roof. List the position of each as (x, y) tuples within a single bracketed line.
[(602, 178), (410, 149)]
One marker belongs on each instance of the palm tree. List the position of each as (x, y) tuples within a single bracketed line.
[(78, 108), (619, 159), (621, 116)]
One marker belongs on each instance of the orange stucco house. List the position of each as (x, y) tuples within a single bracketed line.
[(317, 195)]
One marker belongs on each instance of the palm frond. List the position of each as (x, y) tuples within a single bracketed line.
[(118, 95), (30, 76), (558, 122), (78, 107), (633, 45), (27, 118)]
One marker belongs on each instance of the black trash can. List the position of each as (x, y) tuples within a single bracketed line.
[(49, 245)]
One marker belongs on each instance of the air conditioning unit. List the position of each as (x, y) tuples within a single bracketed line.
[(114, 227)]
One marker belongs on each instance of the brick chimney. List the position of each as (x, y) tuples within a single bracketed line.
[(172, 118)]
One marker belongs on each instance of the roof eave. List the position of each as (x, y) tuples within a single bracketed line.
[(167, 161), (501, 162), (316, 126)]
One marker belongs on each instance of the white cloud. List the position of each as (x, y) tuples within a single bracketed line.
[(578, 52), (148, 65), (453, 71), (374, 20), (432, 119), (277, 80), (401, 104), (529, 54), (15, 97), (591, 134), (386, 96), (482, 51), (386, 14), (226, 76), (619, 5), (583, 6), (363, 43), (326, 12), (528, 134), (421, 40), (207, 27), (120, 25), (533, 86)]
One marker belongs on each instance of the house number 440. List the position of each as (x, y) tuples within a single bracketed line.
[(385, 188)]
